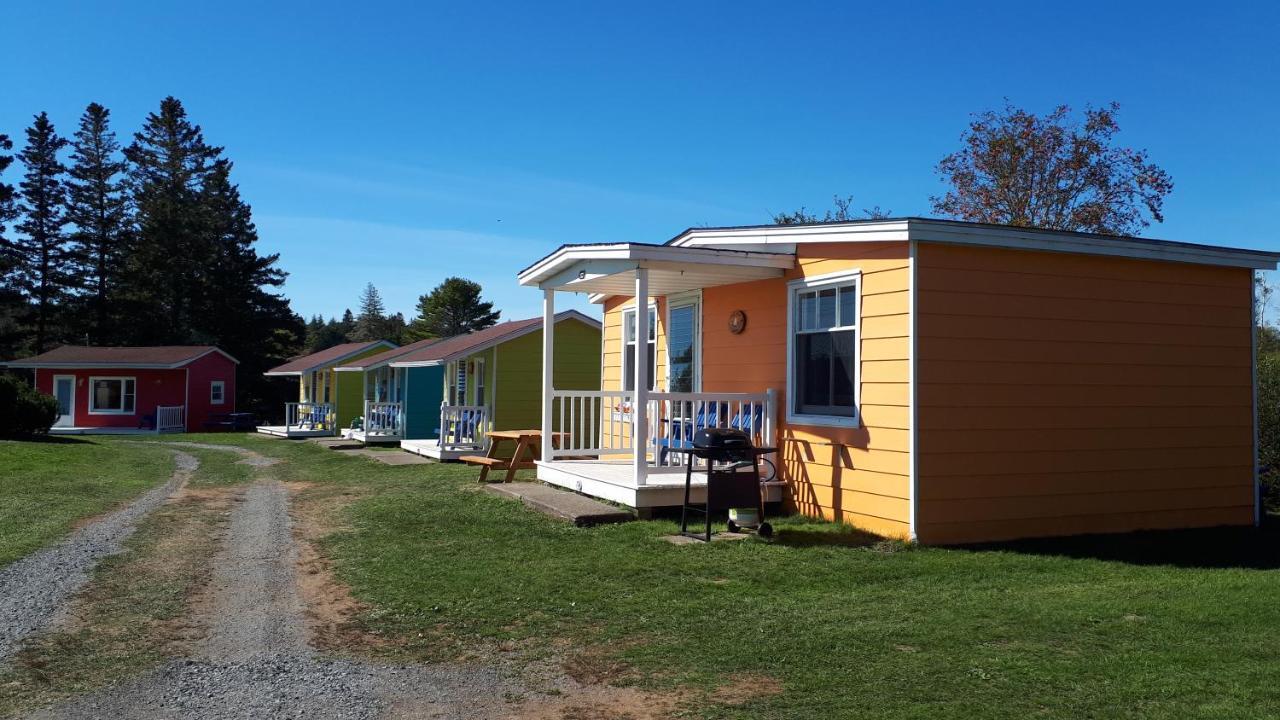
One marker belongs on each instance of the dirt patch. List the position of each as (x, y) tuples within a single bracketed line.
[(742, 689), (332, 612), (595, 666), (598, 702)]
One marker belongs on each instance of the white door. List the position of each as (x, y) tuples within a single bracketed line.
[(64, 389)]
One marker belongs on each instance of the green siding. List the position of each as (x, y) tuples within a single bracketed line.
[(424, 391), (519, 372), (349, 402)]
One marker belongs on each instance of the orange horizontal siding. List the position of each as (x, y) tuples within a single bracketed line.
[(1061, 394), (858, 476)]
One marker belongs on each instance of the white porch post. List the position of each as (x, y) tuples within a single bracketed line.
[(640, 409), (548, 367)]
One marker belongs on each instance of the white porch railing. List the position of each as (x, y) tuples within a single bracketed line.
[(462, 427), (171, 418), (308, 416), (599, 422), (674, 418), (382, 418)]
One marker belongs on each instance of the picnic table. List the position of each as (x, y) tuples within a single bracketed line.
[(527, 442)]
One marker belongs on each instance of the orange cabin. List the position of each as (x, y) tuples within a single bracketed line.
[(943, 381)]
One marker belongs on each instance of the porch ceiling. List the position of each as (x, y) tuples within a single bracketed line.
[(610, 269)]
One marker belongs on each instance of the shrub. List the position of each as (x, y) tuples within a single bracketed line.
[(1269, 427), (23, 411)]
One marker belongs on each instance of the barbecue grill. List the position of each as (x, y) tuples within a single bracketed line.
[(733, 477)]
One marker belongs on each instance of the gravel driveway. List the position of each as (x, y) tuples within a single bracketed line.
[(35, 591), (255, 661)]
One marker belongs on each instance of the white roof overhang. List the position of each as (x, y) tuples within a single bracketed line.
[(610, 269), (785, 238)]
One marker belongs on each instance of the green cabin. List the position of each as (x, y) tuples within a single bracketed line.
[(400, 403), (491, 379), (327, 400)]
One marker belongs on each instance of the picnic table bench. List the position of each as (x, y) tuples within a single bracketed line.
[(528, 442)]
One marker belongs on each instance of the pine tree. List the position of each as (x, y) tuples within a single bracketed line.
[(371, 323), (171, 252), (44, 260), (236, 308), (347, 325), (12, 304), (97, 206), (453, 308)]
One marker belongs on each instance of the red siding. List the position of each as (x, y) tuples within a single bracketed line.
[(211, 367), (153, 388)]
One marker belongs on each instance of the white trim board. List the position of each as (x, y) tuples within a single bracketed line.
[(784, 237)]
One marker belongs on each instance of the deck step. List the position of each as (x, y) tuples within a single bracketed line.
[(577, 509), (482, 460)]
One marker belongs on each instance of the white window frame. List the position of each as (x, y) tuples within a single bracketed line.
[(794, 288), (629, 317), (686, 299), (221, 397), (122, 379), (478, 391)]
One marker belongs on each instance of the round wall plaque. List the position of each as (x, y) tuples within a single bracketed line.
[(737, 322)]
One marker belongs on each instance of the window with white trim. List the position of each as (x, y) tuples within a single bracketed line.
[(217, 392), (629, 347), (823, 360), (112, 395), (479, 366)]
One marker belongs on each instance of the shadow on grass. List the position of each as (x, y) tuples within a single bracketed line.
[(1221, 547), (52, 440), (836, 537)]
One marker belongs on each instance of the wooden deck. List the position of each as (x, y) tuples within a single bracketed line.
[(431, 449), (370, 438), (613, 480), (292, 432)]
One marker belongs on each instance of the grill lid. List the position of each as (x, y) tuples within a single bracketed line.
[(723, 439)]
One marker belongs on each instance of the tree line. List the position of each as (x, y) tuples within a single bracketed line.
[(148, 243), (454, 307)]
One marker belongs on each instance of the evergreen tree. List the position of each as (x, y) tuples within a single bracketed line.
[(453, 308), (12, 303), (347, 325), (44, 261), (171, 252), (236, 307), (97, 206), (322, 334), (371, 323)]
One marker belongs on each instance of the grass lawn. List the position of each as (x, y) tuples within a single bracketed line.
[(1174, 625), (1159, 625), (47, 486)]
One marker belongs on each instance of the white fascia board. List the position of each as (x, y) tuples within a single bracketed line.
[(1045, 240), (983, 235), (562, 266), (773, 236)]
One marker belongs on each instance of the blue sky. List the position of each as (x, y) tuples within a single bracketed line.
[(400, 143)]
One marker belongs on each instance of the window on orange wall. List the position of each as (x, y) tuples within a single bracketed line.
[(629, 348), (822, 363)]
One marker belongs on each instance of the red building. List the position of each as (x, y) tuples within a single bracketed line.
[(172, 388)]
